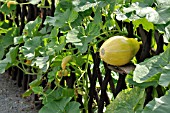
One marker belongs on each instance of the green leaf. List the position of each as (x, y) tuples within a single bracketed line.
[(79, 60), (35, 83), (126, 101), (56, 106), (72, 35), (83, 46), (149, 13), (167, 34), (81, 38), (31, 28), (163, 3), (11, 56), (72, 16), (3, 30), (3, 65), (121, 16), (144, 3), (145, 23), (72, 107), (8, 39), (84, 6), (64, 4), (51, 76), (1, 52), (151, 69), (129, 79), (164, 79), (98, 17), (9, 60), (163, 15), (67, 92), (7, 10), (37, 90), (61, 19), (50, 20), (158, 105), (29, 47), (58, 94), (53, 95), (54, 32), (18, 40), (76, 37), (92, 30), (42, 63), (55, 45), (165, 29), (27, 93)]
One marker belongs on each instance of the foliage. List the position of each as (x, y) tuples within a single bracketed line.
[(127, 103), (78, 28), (154, 69), (158, 105)]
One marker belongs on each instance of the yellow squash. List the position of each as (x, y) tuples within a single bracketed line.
[(65, 60), (119, 50)]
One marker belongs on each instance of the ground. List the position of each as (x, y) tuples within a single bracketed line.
[(11, 100)]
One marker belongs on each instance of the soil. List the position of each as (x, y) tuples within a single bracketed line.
[(11, 100)]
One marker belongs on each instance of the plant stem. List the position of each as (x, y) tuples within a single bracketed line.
[(25, 71), (85, 82)]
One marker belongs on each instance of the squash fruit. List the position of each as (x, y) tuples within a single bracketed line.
[(119, 50), (65, 60)]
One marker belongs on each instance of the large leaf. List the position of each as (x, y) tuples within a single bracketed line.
[(7, 10), (58, 101), (165, 78), (18, 39), (72, 107), (152, 69), (54, 44), (8, 39), (81, 7), (37, 89), (98, 16), (61, 19), (127, 101), (163, 15), (80, 37), (56, 106), (163, 3), (158, 105), (1, 52), (144, 2), (145, 23), (31, 28), (167, 34), (53, 95), (61, 106), (92, 30), (35, 83), (58, 94), (3, 65), (52, 21), (72, 36), (72, 15), (129, 79), (29, 47), (42, 63), (148, 12), (9, 60)]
